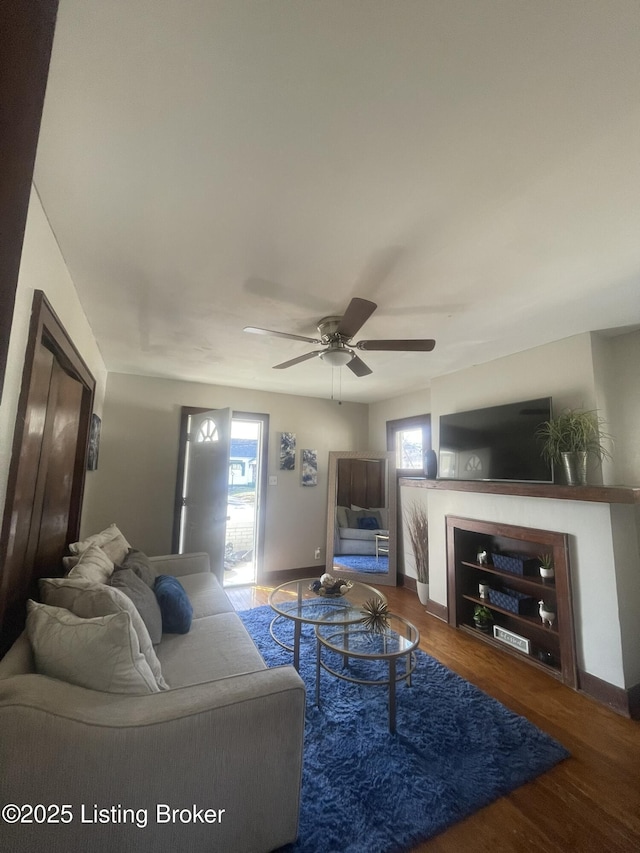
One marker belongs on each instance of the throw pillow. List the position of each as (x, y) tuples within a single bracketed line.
[(355, 515), (93, 565), (89, 600), (368, 522), (110, 540), (143, 598), (341, 516), (101, 653), (176, 609), (140, 564)]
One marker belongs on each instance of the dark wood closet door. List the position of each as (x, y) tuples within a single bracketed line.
[(47, 474), (55, 477)]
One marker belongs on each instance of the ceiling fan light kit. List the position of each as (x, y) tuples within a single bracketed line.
[(336, 333), (338, 356)]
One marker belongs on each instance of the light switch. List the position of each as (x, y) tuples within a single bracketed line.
[(273, 480)]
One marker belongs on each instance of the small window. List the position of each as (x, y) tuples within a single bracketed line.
[(410, 439), (208, 431)]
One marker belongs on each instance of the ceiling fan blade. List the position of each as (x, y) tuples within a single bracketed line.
[(357, 366), (297, 360), (254, 330), (356, 315), (425, 345)]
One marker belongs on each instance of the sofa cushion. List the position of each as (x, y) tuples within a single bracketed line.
[(341, 516), (93, 565), (382, 511), (175, 606), (101, 653), (110, 540), (88, 600), (206, 595), (142, 597), (139, 563), (215, 647)]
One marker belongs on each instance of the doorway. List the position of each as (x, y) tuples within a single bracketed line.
[(234, 471)]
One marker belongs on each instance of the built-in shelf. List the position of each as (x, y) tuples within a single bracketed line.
[(551, 648), (598, 494)]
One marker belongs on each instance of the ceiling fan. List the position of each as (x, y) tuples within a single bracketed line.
[(336, 334)]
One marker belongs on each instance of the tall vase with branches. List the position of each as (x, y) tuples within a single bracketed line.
[(418, 529)]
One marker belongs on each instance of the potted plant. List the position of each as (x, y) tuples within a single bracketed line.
[(418, 529), (570, 438), (546, 566), (482, 618)]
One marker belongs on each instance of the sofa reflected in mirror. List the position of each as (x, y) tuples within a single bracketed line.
[(361, 516)]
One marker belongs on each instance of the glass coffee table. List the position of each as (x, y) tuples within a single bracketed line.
[(295, 600), (395, 643)]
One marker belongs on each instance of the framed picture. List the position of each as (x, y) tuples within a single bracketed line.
[(94, 443), (287, 451), (309, 466)]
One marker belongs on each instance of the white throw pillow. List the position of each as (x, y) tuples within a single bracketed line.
[(94, 565), (89, 600), (100, 654), (110, 540)]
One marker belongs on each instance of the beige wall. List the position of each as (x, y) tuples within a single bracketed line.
[(616, 366), (135, 481), (416, 403), (42, 268)]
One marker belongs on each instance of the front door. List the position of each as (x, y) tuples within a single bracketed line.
[(203, 516)]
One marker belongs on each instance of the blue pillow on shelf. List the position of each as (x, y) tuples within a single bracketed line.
[(175, 607), (369, 522)]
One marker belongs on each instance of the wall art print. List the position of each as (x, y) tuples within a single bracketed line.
[(287, 451), (309, 466), (94, 443)]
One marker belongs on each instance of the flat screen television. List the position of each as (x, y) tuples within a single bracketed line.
[(496, 443)]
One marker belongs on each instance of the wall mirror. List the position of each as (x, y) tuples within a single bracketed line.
[(361, 516)]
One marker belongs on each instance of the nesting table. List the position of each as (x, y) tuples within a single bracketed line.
[(394, 644), (295, 600)]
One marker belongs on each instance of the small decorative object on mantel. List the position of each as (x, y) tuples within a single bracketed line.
[(330, 586), (375, 615), (547, 615), (546, 566)]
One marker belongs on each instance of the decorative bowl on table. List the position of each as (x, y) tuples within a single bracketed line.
[(330, 587)]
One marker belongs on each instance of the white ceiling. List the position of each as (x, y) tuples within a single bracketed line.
[(473, 166)]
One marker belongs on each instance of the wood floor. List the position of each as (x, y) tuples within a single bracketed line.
[(590, 802)]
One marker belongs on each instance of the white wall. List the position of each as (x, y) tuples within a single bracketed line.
[(42, 268), (136, 477)]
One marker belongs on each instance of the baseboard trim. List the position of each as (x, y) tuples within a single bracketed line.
[(623, 701), (284, 575)]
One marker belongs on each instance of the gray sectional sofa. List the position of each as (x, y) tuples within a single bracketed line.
[(212, 763)]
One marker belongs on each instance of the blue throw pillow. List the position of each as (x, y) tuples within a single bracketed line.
[(368, 522), (175, 607)]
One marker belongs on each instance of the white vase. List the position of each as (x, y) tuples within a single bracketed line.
[(423, 592)]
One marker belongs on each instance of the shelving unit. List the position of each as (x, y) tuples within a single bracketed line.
[(550, 648)]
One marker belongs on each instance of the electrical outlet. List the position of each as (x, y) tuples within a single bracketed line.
[(317, 554)]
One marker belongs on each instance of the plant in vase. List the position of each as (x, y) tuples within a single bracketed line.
[(482, 618), (570, 438), (418, 529), (546, 566)]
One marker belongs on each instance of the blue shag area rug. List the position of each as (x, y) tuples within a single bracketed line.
[(362, 563), (365, 790)]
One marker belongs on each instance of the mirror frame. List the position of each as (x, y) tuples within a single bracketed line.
[(390, 578)]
